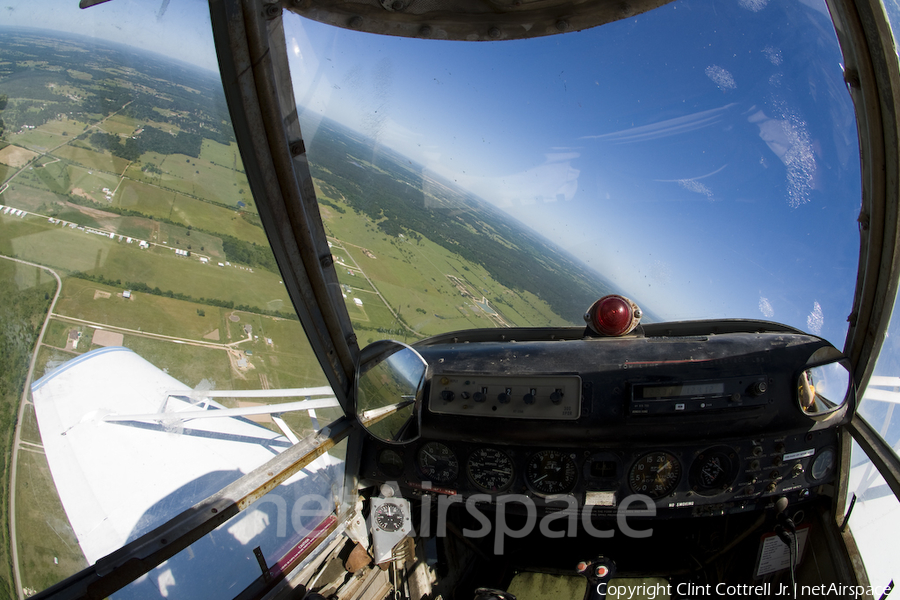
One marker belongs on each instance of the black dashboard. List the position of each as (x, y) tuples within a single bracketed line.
[(703, 418)]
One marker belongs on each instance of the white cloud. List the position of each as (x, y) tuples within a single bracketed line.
[(753, 5), (816, 319), (692, 185), (721, 78), (774, 55), (788, 138), (765, 307)]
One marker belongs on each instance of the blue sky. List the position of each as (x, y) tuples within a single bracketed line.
[(702, 156), (176, 28)]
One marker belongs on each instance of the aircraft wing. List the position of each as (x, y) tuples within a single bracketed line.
[(120, 479)]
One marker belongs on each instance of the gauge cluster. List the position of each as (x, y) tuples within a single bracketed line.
[(730, 476)]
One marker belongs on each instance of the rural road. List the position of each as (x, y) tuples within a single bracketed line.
[(13, 544)]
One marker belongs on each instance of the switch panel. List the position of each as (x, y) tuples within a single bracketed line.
[(507, 396)]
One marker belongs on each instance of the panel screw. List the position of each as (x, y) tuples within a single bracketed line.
[(425, 31), (494, 33), (297, 148), (355, 22), (215, 510), (397, 5), (562, 25), (326, 261), (273, 10)]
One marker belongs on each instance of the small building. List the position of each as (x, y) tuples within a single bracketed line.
[(221, 265), (126, 294), (204, 260), (357, 301), (72, 341)]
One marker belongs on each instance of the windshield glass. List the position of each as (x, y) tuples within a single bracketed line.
[(144, 326), (700, 159)]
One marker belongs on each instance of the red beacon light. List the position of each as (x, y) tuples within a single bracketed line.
[(613, 316)]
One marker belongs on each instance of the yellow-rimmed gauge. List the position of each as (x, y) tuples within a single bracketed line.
[(655, 474)]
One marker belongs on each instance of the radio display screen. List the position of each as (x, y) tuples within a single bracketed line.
[(688, 390)]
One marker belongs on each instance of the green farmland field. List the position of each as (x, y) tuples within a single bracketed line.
[(93, 161), (74, 250)]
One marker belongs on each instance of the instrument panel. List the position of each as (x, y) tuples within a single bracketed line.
[(700, 424), (730, 476)]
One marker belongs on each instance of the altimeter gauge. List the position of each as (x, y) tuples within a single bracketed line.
[(655, 474), (490, 469), (551, 472)]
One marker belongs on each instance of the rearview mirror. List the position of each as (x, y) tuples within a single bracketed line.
[(389, 380), (823, 389)]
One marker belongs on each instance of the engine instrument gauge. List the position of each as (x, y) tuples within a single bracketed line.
[(490, 469), (389, 516), (655, 474), (390, 462), (713, 471), (551, 472), (437, 462), (822, 464)]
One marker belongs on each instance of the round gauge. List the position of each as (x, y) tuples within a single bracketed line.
[(490, 469), (821, 466), (437, 462), (389, 516), (713, 471), (551, 472), (655, 474), (390, 462)]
